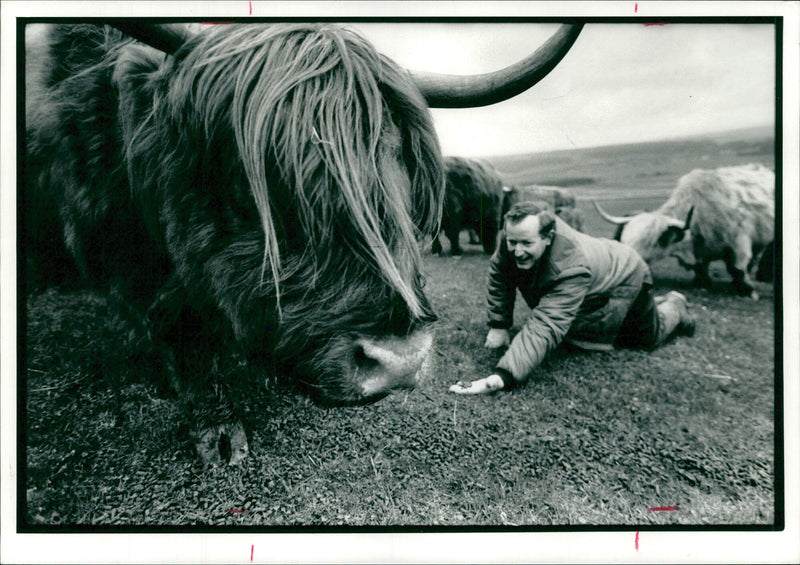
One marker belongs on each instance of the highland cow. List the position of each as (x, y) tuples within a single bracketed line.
[(728, 214), (262, 187), (472, 200)]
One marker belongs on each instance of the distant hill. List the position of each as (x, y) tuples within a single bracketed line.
[(737, 135), (641, 167)]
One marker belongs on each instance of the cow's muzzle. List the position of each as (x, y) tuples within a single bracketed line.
[(383, 365)]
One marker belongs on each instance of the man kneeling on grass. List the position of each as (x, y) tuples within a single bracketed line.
[(590, 292)]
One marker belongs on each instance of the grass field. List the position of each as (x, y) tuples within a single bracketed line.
[(592, 439)]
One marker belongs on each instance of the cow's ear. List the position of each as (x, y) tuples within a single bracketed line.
[(671, 235)]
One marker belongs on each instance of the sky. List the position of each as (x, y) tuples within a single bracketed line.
[(619, 83)]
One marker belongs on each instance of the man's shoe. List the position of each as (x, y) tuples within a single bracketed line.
[(687, 325)]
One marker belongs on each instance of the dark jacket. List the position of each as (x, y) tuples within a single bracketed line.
[(580, 290)]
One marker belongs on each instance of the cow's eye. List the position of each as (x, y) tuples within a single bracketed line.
[(668, 237)]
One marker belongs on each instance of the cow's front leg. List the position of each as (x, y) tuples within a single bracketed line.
[(221, 444), (701, 278), (218, 436), (436, 245), (736, 261), (202, 387), (455, 246)]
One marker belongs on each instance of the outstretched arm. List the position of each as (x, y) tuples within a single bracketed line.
[(501, 295), (546, 327)]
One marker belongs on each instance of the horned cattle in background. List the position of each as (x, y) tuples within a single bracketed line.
[(260, 185), (472, 200), (728, 212), (559, 200)]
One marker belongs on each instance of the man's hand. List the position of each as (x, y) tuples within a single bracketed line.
[(497, 338), (491, 383)]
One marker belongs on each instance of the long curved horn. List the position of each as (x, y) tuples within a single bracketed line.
[(466, 91), (164, 37), (619, 220)]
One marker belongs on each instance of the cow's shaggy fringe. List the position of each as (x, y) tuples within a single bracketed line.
[(307, 105), (279, 181)]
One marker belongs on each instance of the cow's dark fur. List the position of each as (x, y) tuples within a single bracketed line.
[(266, 186), (473, 196)]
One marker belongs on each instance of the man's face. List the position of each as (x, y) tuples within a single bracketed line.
[(525, 242)]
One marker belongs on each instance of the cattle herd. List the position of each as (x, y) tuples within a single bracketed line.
[(269, 187), (730, 214), (476, 199)]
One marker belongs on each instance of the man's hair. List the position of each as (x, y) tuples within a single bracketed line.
[(521, 210)]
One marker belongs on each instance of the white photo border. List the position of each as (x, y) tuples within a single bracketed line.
[(442, 547)]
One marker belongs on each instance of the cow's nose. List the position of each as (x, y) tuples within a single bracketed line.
[(390, 363)]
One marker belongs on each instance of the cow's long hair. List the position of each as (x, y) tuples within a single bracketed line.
[(268, 167), (308, 108)]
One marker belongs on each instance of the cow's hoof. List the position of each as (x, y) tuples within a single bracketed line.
[(754, 295), (222, 444)]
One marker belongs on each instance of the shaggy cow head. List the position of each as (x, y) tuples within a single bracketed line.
[(295, 170), (654, 236), (291, 172)]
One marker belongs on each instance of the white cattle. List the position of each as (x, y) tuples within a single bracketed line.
[(732, 215)]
